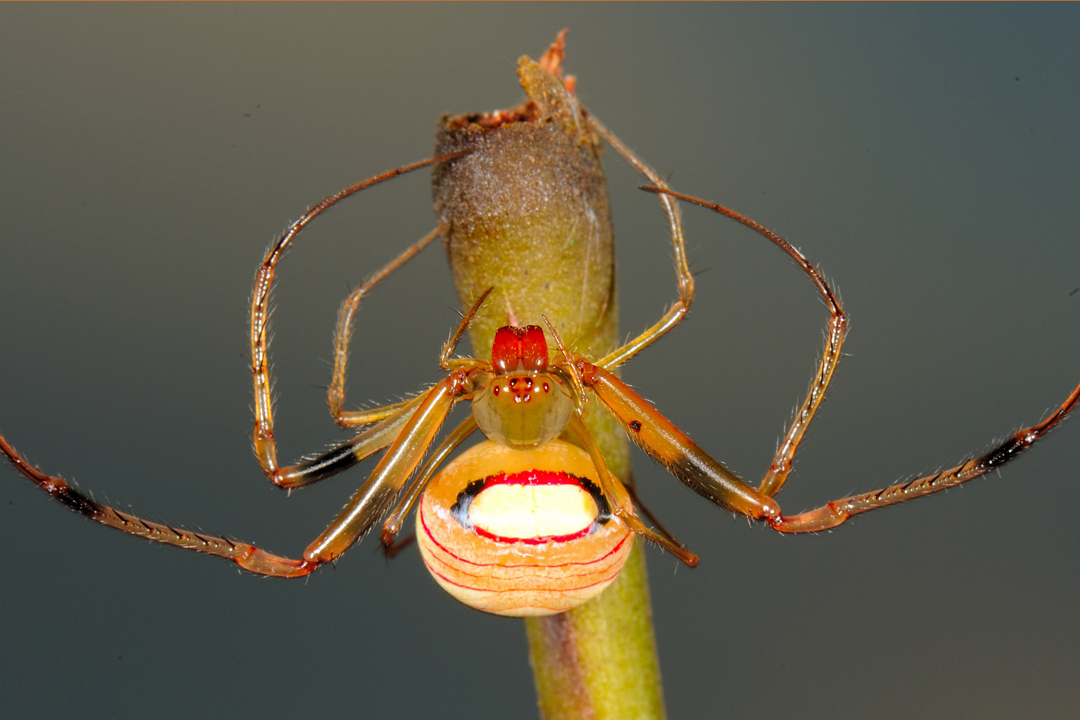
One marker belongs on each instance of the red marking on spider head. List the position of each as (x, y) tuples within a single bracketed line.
[(524, 346)]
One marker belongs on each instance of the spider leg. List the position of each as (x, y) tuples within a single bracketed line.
[(678, 311), (345, 455), (246, 556), (685, 460), (669, 446), (360, 418), (834, 339), (343, 336), (619, 499), (396, 517), (644, 509), (349, 453), (392, 550), (365, 507), (392, 524), (837, 511), (265, 447), (448, 363), (372, 500)]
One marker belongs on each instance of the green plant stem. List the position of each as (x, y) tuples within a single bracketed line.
[(599, 660), (528, 216)]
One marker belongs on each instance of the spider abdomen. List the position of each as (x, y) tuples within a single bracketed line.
[(521, 532)]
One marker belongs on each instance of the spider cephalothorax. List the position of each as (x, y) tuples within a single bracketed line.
[(523, 405)]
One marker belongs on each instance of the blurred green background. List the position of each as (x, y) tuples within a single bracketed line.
[(927, 158)]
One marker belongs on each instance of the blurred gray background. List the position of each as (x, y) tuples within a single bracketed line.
[(927, 158)]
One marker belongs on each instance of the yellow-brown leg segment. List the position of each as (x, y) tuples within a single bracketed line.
[(469, 368), (834, 339), (669, 446), (347, 454), (688, 462), (362, 511), (392, 525), (246, 556), (619, 498), (374, 497), (676, 312), (448, 363), (641, 507), (836, 512), (265, 448), (343, 336)]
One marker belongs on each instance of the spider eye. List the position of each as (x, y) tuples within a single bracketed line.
[(523, 410)]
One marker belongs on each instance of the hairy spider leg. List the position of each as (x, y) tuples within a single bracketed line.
[(619, 498), (374, 497), (263, 435), (343, 336), (363, 509), (677, 311), (391, 418), (837, 511), (685, 460), (385, 482), (830, 357), (396, 518), (448, 363), (568, 371), (669, 446), (246, 556), (345, 455), (407, 427)]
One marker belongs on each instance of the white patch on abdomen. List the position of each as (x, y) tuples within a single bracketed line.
[(522, 512)]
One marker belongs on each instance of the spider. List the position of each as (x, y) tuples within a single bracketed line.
[(524, 523)]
